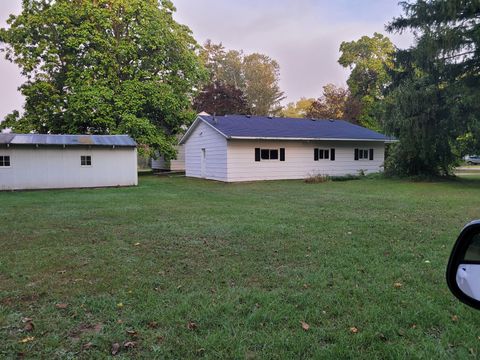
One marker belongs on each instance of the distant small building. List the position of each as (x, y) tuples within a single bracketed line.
[(245, 148), (159, 163), (36, 161), (177, 164)]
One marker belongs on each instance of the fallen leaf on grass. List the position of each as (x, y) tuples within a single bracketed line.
[(120, 305), (115, 348), (397, 285), (29, 326), (27, 319), (191, 325), (454, 318), (354, 330), (153, 325), (61, 306), (27, 339), (129, 344), (132, 333), (136, 244), (305, 326), (87, 346)]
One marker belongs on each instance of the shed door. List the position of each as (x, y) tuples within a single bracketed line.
[(203, 164)]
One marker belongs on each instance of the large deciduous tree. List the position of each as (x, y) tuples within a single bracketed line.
[(103, 67), (262, 90), (221, 99), (256, 75), (370, 59), (432, 105), (335, 103), (300, 109)]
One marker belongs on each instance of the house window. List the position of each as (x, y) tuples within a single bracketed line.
[(269, 154), (4, 161), (363, 154), (86, 160), (324, 154)]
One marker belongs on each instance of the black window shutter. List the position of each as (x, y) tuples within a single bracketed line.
[(371, 154), (356, 154), (257, 154), (315, 154), (282, 154), (332, 154)]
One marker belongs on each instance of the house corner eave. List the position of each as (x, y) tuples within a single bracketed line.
[(194, 125)]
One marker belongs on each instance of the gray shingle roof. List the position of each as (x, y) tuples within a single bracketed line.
[(67, 140), (241, 126)]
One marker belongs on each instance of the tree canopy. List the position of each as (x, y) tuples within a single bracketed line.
[(432, 105), (103, 67), (256, 75), (299, 109), (221, 99), (335, 103), (370, 59)]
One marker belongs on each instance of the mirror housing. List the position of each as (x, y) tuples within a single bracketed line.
[(463, 270)]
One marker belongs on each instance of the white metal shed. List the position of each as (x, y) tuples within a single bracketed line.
[(40, 161)]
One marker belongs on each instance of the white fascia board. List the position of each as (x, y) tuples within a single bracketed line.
[(306, 139)]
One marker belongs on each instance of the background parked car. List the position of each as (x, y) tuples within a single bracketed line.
[(472, 159)]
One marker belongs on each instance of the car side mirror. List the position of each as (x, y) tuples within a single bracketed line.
[(463, 270)]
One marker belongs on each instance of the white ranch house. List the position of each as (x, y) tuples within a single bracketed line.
[(34, 161), (237, 148)]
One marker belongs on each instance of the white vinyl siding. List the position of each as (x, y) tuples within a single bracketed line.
[(299, 159), (55, 168), (214, 144)]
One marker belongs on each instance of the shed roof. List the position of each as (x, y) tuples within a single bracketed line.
[(261, 127), (67, 140)]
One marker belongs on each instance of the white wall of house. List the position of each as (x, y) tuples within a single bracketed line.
[(299, 159), (177, 164), (206, 154), (54, 167)]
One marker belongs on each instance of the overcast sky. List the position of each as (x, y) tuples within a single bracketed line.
[(302, 35)]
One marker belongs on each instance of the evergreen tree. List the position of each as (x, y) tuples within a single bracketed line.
[(432, 105)]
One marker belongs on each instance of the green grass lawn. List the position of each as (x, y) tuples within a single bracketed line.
[(187, 268)]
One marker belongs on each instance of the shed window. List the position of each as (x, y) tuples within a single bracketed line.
[(4, 161), (363, 154), (86, 160), (269, 154)]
